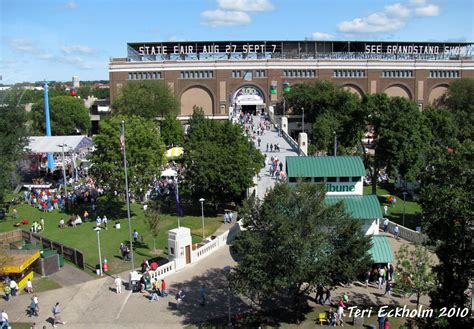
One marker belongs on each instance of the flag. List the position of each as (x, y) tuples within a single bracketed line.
[(179, 210), (122, 140)]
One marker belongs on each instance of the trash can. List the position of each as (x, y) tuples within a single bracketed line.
[(117, 226), (61, 261), (134, 281)]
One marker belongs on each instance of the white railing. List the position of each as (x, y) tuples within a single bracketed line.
[(163, 271)]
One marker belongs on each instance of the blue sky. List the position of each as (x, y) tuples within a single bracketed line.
[(54, 39)]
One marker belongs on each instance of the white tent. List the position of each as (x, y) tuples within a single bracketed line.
[(52, 144), (169, 173)]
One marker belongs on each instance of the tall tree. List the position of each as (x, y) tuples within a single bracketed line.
[(152, 220), (12, 142), (145, 154), (172, 131), (148, 99), (219, 159), (401, 136), (441, 125), (413, 270), (331, 109), (448, 212), (301, 239), (68, 116)]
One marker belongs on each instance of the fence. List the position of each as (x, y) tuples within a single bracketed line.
[(405, 233), (73, 255), (294, 144), (9, 237)]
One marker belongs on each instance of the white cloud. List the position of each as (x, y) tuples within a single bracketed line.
[(220, 17), (81, 49), (374, 23), (418, 2), (46, 56), (71, 5), (398, 10), (322, 36), (429, 10), (22, 45), (245, 5)]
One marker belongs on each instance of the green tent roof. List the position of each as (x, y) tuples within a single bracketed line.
[(381, 251), (358, 206), (325, 166)]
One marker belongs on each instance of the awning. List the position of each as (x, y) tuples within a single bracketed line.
[(358, 206), (52, 144), (381, 251), (174, 152), (20, 260)]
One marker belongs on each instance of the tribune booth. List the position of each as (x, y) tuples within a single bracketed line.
[(19, 265), (342, 177)]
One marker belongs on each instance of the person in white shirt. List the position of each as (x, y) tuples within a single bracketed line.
[(104, 221), (4, 320), (118, 285), (13, 287), (29, 286)]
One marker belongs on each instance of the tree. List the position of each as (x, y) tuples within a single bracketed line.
[(68, 116), (148, 99), (152, 220), (12, 141), (301, 239), (442, 126), (145, 154), (172, 131), (219, 159), (400, 132), (413, 270), (331, 109), (448, 211)]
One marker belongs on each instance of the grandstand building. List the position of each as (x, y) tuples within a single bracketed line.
[(222, 76)]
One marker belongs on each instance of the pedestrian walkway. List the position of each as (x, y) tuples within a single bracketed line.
[(271, 136)]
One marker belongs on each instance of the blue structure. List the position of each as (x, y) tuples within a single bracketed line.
[(48, 124)]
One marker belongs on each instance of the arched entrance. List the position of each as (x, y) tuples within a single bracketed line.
[(196, 96), (248, 99)]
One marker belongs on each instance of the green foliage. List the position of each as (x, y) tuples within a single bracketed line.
[(331, 109), (401, 135), (68, 116), (301, 239), (12, 141), (145, 154), (413, 270), (152, 221), (85, 91), (148, 99), (448, 210), (220, 162), (172, 131), (442, 126)]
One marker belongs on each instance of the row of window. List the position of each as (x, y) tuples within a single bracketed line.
[(144, 75), (397, 74), (248, 74), (299, 73), (196, 74), (444, 74), (348, 73)]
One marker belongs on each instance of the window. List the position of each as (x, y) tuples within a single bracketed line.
[(348, 73), (355, 179), (292, 179), (318, 179), (299, 73), (236, 74), (343, 179), (450, 74), (195, 74), (331, 179), (397, 74)]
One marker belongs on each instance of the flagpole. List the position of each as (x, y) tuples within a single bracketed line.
[(178, 206), (127, 194)]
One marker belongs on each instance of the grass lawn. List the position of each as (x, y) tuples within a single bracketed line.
[(395, 213), (85, 239), (41, 284)]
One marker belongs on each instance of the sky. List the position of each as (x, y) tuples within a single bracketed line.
[(58, 39)]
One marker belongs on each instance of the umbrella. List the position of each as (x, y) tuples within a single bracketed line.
[(174, 152), (168, 173)]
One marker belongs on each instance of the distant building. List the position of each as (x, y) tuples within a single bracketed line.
[(75, 81)]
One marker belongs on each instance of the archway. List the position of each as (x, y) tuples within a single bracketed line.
[(398, 91), (354, 90), (436, 94), (196, 96), (248, 99)]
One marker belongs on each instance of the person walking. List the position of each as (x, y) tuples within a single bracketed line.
[(57, 316), (13, 287), (396, 232), (34, 306), (385, 210), (135, 236), (385, 224), (163, 288), (118, 284), (42, 224), (7, 291), (179, 298), (202, 295), (388, 288), (4, 324), (29, 286)]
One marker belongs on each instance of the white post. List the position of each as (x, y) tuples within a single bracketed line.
[(202, 215), (97, 229)]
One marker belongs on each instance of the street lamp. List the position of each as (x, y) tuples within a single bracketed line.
[(302, 120), (202, 215), (227, 270), (64, 164), (97, 229), (335, 142), (404, 195)]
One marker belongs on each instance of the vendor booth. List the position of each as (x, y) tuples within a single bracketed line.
[(20, 264)]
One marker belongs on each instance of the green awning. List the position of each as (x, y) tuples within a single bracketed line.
[(358, 206), (381, 251), (325, 166)]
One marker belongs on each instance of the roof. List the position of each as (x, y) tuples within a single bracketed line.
[(19, 260), (358, 206), (51, 144), (325, 166), (381, 251)]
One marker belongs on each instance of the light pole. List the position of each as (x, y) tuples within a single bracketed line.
[(227, 269), (302, 120), (64, 164), (335, 142), (202, 215), (97, 229), (404, 195)]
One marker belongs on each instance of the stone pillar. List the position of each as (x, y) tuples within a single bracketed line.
[(284, 124), (303, 143), (179, 239)]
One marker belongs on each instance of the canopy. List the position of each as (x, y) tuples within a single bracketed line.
[(168, 173), (52, 144), (175, 152), (381, 251)]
